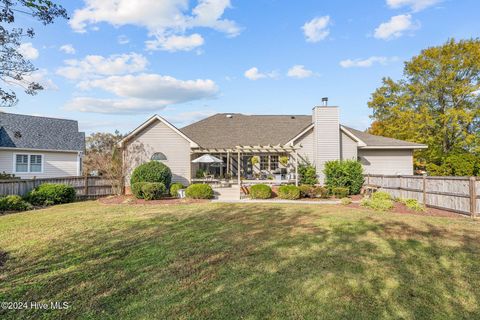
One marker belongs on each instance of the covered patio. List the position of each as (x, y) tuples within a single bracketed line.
[(245, 165)]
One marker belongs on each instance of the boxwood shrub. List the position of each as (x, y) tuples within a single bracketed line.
[(344, 173), (153, 190), (340, 192), (51, 193), (174, 189), (199, 191), (308, 191), (14, 203), (136, 189), (260, 191), (153, 171), (289, 192)]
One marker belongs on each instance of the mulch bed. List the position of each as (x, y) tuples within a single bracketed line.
[(402, 209), (132, 200)]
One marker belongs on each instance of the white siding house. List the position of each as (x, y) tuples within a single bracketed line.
[(40, 147)]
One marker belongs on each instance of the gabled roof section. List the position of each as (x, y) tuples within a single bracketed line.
[(370, 141), (228, 130), (18, 131), (150, 121)]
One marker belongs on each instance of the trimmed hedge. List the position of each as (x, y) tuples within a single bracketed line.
[(344, 173), (51, 193), (153, 171), (340, 192), (136, 189), (14, 203), (289, 192), (199, 191), (153, 190), (174, 189), (308, 191), (260, 191), (308, 174)]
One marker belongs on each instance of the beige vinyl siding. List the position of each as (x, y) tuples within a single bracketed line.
[(389, 162), (305, 144), (326, 137), (55, 164), (349, 147), (158, 137)]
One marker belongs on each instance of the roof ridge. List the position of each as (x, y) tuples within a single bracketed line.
[(32, 116)]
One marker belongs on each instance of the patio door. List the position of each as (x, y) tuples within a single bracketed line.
[(247, 168)]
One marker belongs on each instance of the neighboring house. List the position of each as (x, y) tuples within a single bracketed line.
[(40, 147), (235, 138)]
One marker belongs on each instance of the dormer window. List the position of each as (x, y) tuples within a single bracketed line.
[(158, 156)]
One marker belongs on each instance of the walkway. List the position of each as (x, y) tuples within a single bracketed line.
[(227, 194)]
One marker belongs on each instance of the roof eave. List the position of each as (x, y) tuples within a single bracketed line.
[(394, 147)]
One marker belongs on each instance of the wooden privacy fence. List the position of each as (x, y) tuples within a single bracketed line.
[(458, 194), (85, 187)]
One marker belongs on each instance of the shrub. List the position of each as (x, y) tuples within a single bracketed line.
[(174, 189), (466, 164), (289, 192), (340, 192), (381, 195), (413, 204), (200, 174), (346, 201), (136, 189), (153, 171), (344, 173), (308, 174), (308, 191), (51, 193), (153, 190), (377, 204), (14, 203), (199, 191), (260, 191)]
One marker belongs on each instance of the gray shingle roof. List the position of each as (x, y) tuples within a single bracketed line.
[(30, 132), (379, 141), (220, 131)]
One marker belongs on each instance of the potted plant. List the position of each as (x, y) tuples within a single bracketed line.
[(255, 160)]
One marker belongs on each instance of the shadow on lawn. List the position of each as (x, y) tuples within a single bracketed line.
[(255, 262)]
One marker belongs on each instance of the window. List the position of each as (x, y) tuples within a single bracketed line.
[(263, 162), (273, 163), (25, 163), (21, 163), (35, 163), (158, 156)]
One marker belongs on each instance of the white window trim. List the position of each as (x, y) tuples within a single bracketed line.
[(14, 169)]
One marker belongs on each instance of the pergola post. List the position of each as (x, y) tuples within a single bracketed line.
[(238, 168), (296, 167), (229, 172)]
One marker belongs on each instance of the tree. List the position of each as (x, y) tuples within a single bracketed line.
[(436, 102), (15, 69), (101, 152)]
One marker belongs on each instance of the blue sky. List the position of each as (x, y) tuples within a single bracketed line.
[(115, 63)]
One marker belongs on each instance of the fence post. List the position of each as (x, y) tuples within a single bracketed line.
[(86, 186), (401, 187), (424, 190), (473, 197)]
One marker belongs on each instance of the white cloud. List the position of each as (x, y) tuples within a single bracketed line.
[(176, 43), (255, 74), (415, 5), (94, 66), (316, 29), (188, 117), (68, 49), (28, 51), (141, 93), (163, 19), (299, 71), (395, 27), (123, 39), (366, 63), (39, 76)]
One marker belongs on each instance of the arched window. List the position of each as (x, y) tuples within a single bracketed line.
[(158, 156)]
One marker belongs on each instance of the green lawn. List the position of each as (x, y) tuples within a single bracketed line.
[(250, 261)]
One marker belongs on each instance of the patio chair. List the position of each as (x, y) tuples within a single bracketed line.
[(208, 176)]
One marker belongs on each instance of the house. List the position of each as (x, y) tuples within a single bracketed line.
[(40, 147), (236, 138)]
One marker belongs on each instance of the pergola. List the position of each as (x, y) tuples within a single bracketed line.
[(289, 149)]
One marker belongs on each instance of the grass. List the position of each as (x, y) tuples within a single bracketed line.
[(251, 261)]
